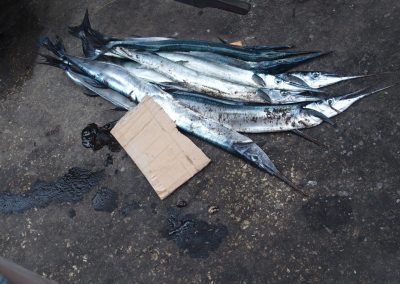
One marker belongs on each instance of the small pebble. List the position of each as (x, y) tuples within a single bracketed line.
[(213, 209), (181, 203)]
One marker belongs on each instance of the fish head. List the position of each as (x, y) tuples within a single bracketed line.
[(333, 106)]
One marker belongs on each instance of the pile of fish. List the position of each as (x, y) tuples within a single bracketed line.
[(213, 90)]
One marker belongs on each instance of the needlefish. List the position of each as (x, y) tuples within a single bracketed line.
[(118, 79), (103, 43)]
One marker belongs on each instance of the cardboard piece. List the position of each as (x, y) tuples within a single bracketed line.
[(237, 43), (166, 157)]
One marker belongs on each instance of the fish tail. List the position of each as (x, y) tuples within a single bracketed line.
[(57, 48), (91, 49), (53, 61), (85, 29)]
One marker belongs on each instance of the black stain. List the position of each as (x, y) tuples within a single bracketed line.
[(69, 188), (130, 207), (71, 213), (95, 137), (109, 160), (54, 131), (105, 200), (327, 212), (195, 236), (181, 203)]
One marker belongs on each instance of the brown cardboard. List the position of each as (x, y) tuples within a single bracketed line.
[(166, 157), (237, 43)]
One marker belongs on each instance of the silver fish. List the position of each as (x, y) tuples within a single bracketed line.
[(318, 79), (234, 74), (275, 118), (202, 83), (117, 78), (267, 67), (274, 96)]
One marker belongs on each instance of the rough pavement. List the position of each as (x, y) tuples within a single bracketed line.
[(347, 232)]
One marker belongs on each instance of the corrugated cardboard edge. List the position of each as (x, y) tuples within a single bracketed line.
[(166, 157)]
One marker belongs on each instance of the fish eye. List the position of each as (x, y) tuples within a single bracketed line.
[(254, 158)]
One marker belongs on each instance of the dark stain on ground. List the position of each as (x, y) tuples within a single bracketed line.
[(69, 188), (181, 203), (94, 137), (130, 207), (194, 236), (105, 200), (53, 131), (71, 213), (19, 30), (109, 160), (327, 212)]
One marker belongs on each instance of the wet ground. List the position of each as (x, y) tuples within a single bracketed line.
[(348, 231)]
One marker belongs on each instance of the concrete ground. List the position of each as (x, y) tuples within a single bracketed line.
[(348, 231)]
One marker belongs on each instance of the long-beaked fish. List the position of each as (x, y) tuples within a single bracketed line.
[(265, 67), (118, 79), (103, 43), (319, 79), (201, 82), (234, 74), (275, 118), (275, 96)]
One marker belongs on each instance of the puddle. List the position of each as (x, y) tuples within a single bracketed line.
[(69, 188), (195, 236), (105, 200)]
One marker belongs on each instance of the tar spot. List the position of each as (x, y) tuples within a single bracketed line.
[(181, 203), (53, 132), (69, 188), (327, 212), (95, 137), (109, 160), (129, 208), (105, 200), (71, 213), (194, 236)]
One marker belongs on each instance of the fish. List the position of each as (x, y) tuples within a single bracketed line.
[(227, 114), (118, 79), (271, 67), (203, 83), (103, 43), (275, 118), (197, 102), (275, 96), (319, 79), (234, 74), (85, 28)]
